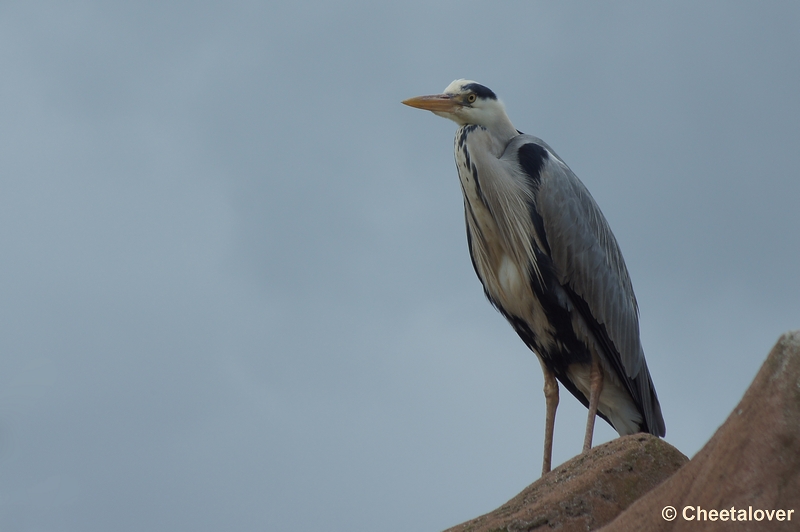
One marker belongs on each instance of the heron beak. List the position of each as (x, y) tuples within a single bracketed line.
[(438, 103)]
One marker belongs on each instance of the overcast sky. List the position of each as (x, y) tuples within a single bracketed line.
[(235, 292)]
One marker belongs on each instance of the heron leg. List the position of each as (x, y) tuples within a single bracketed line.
[(596, 386), (551, 401)]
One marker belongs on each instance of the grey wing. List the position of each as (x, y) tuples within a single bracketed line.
[(589, 264)]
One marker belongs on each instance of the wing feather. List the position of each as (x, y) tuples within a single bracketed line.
[(591, 268)]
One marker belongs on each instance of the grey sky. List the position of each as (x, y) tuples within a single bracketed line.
[(235, 289)]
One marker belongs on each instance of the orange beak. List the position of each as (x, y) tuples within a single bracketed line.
[(442, 103)]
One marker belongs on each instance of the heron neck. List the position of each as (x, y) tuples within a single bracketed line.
[(502, 132)]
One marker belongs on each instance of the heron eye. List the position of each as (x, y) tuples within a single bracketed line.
[(471, 98)]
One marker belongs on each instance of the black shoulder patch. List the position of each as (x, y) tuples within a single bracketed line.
[(481, 91), (531, 159)]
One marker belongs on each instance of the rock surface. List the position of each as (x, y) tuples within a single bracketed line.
[(751, 466), (588, 491), (751, 463)]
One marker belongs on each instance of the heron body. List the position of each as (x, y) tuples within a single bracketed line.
[(550, 264)]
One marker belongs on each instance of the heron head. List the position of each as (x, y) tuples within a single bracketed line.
[(464, 102)]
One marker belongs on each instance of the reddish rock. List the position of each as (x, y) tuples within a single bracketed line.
[(588, 491), (751, 464)]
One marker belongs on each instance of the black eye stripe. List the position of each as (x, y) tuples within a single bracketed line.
[(479, 91)]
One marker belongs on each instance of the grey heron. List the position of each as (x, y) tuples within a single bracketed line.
[(549, 263)]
